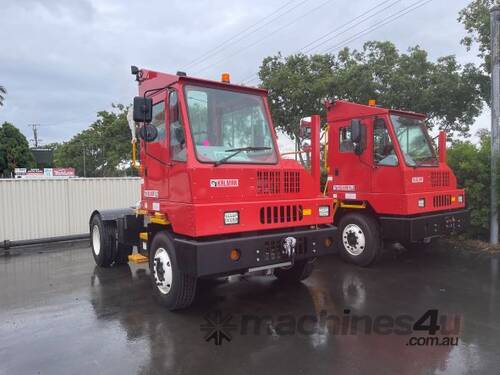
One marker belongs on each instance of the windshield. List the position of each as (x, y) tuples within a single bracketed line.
[(414, 141), (222, 121)]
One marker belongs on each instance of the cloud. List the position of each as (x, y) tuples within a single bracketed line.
[(62, 61)]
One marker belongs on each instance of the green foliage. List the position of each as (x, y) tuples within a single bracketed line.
[(471, 165), (3, 91), (476, 19), (104, 147), (14, 150), (449, 93)]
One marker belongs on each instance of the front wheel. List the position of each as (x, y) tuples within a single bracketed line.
[(359, 239), (172, 288)]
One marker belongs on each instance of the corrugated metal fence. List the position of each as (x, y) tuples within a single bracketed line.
[(32, 208)]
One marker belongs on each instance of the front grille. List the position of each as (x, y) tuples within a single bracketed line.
[(268, 182), (273, 249), (439, 179), (281, 214), (292, 182), (441, 200)]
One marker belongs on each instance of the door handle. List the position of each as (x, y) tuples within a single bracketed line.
[(336, 172)]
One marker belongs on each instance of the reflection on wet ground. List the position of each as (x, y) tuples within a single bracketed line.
[(61, 315)]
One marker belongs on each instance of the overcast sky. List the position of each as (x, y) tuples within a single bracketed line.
[(62, 61)]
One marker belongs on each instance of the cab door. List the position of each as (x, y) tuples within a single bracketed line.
[(179, 183), (387, 176), (156, 156), (350, 171)]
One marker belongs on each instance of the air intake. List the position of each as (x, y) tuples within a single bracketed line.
[(280, 214), (292, 182), (441, 200), (268, 182), (439, 179)]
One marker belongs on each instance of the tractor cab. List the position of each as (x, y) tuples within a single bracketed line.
[(387, 157), (211, 163)]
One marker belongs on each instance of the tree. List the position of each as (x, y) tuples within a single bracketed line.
[(297, 84), (14, 150), (476, 19), (471, 164), (446, 91), (101, 150), (3, 91)]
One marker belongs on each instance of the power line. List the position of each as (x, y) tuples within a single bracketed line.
[(306, 50), (270, 34), (253, 76), (234, 39), (239, 33), (385, 20)]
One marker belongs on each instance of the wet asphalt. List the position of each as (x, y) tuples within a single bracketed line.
[(59, 314)]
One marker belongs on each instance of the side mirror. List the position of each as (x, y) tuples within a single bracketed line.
[(358, 136), (179, 135), (148, 132), (143, 109), (356, 131)]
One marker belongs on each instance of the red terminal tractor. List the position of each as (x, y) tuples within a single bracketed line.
[(217, 198), (387, 181)]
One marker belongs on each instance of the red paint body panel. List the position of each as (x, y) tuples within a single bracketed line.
[(185, 192), (390, 190)]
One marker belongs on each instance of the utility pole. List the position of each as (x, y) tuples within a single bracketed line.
[(84, 166), (495, 119), (35, 139)]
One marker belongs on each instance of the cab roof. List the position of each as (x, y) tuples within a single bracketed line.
[(150, 79), (338, 110)]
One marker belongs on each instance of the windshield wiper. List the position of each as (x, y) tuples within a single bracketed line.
[(236, 151)]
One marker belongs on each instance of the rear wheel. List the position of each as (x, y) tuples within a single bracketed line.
[(172, 288), (122, 253), (299, 271), (102, 240), (105, 249), (359, 239)]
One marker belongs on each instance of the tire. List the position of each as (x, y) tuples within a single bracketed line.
[(300, 270), (122, 253), (172, 288), (359, 239), (102, 241)]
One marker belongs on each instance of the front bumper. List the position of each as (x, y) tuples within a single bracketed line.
[(417, 228), (258, 251)]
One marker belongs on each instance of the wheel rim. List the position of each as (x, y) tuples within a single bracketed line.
[(162, 270), (353, 239), (96, 239)]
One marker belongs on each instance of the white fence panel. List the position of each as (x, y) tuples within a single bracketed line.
[(39, 208)]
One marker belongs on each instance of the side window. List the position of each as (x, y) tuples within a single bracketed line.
[(345, 141), (177, 135), (198, 116), (159, 120), (383, 149)]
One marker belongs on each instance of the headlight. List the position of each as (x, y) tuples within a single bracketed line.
[(231, 218), (324, 211), (460, 199), (421, 202)]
